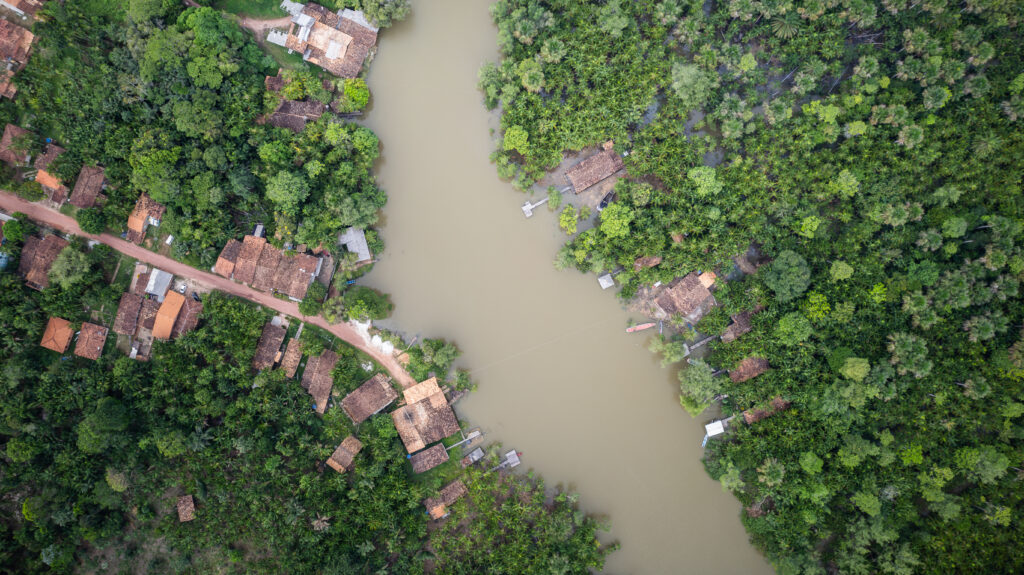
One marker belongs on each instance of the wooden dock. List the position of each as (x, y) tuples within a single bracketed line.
[(528, 207)]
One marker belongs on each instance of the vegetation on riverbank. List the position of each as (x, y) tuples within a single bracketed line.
[(873, 152)]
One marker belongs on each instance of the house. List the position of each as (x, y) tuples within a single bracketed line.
[(58, 335), (369, 398), (15, 47), (292, 357), (317, 378), (148, 313), (50, 183), (776, 405), (158, 283), (188, 318), (688, 296), (127, 317), (186, 508), (24, 8), (645, 262), (268, 347), (10, 153), (337, 42), (90, 183), (37, 256), (749, 368), (245, 267), (167, 315), (426, 420), (428, 458), (437, 507), (146, 213), (354, 240), (266, 267), (90, 341), (715, 428), (739, 326), (294, 114), (344, 456), (225, 265), (295, 274), (595, 168)]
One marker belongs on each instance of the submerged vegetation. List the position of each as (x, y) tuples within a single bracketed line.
[(871, 156)]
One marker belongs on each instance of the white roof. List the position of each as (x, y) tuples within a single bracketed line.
[(354, 240), (278, 37), (159, 281), (293, 8), (715, 428), (333, 49), (606, 281)]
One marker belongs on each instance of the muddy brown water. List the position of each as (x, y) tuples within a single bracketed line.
[(588, 405)]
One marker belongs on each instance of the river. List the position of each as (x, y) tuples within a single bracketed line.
[(588, 405)]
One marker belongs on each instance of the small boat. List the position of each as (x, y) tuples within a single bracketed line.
[(640, 327)]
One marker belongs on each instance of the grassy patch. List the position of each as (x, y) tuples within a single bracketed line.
[(285, 60), (264, 9)]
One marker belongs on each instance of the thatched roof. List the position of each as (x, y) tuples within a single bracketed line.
[(145, 208), (245, 266), (424, 422), (292, 357), (776, 405), (646, 262), (343, 457), (429, 458), (37, 257), (317, 378), (225, 265), (90, 341), (594, 169), (8, 155), (188, 318), (421, 390), (186, 508), (167, 315), (88, 187), (437, 507), (268, 346), (57, 335), (739, 326), (683, 296), (15, 43), (748, 368), (369, 398)]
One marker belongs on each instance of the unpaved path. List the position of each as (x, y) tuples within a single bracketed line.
[(347, 333)]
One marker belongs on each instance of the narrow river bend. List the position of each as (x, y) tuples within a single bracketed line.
[(558, 378)]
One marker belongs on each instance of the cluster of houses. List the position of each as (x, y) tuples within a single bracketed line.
[(338, 42), (15, 43), (154, 308), (59, 333), (256, 263)]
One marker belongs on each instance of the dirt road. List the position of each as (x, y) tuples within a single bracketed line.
[(40, 213)]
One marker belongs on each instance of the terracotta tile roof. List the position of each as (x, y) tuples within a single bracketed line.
[(87, 187), (292, 357), (186, 508), (268, 346), (429, 458), (37, 256), (646, 262), (343, 457), (421, 391), (294, 274), (245, 267), (748, 368), (50, 182), (145, 208), (594, 169), (141, 282), (369, 398), (15, 43), (437, 506), (148, 313), (424, 422), (57, 335), (11, 135), (707, 279), (167, 315), (90, 341), (266, 266), (127, 314), (228, 256), (7, 87), (27, 7), (683, 296), (317, 378), (337, 44), (188, 319), (776, 405)]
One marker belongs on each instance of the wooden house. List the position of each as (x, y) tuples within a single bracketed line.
[(344, 456), (429, 458), (369, 398), (594, 169)]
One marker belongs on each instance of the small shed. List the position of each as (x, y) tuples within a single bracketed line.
[(268, 346), (428, 458), (354, 240), (437, 507), (472, 457), (58, 335), (749, 368), (715, 428), (344, 456), (595, 168), (606, 281), (186, 508), (292, 357), (317, 380), (739, 326)]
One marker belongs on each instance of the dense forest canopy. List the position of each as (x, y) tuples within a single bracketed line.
[(873, 153)]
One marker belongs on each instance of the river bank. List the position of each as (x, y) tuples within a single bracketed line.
[(587, 404)]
